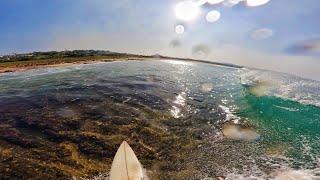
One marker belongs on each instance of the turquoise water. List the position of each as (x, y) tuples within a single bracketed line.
[(294, 125), (284, 115)]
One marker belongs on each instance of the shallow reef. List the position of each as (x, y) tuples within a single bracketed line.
[(183, 121), (62, 134)]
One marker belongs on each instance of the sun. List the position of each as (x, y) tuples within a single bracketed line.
[(186, 10)]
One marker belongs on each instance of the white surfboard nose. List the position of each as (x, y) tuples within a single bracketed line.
[(125, 165)]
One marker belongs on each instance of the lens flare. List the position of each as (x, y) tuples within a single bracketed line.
[(231, 3), (213, 16), (200, 51), (201, 2), (175, 43), (215, 1), (263, 33), (179, 29), (253, 3), (187, 10)]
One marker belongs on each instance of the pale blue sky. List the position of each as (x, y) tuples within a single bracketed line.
[(147, 27)]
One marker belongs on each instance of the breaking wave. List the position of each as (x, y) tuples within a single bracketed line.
[(262, 82)]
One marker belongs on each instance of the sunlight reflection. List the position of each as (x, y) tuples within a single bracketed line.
[(177, 62), (180, 101)]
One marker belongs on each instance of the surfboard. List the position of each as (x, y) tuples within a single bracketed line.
[(125, 165)]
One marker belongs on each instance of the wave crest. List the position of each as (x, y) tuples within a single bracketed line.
[(262, 82)]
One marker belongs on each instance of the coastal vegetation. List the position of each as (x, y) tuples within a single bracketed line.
[(14, 62), (9, 63)]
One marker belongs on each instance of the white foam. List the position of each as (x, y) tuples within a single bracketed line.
[(287, 174), (297, 175), (230, 116), (282, 85), (242, 177)]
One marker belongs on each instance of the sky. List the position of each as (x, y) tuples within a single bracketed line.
[(279, 35)]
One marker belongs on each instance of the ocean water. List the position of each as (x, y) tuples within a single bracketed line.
[(230, 122)]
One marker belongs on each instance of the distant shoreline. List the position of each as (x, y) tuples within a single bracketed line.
[(21, 62), (26, 65), (203, 61)]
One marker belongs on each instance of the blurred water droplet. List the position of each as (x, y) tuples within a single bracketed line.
[(179, 29)]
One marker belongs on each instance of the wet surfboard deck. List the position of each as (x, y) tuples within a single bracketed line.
[(125, 165)]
